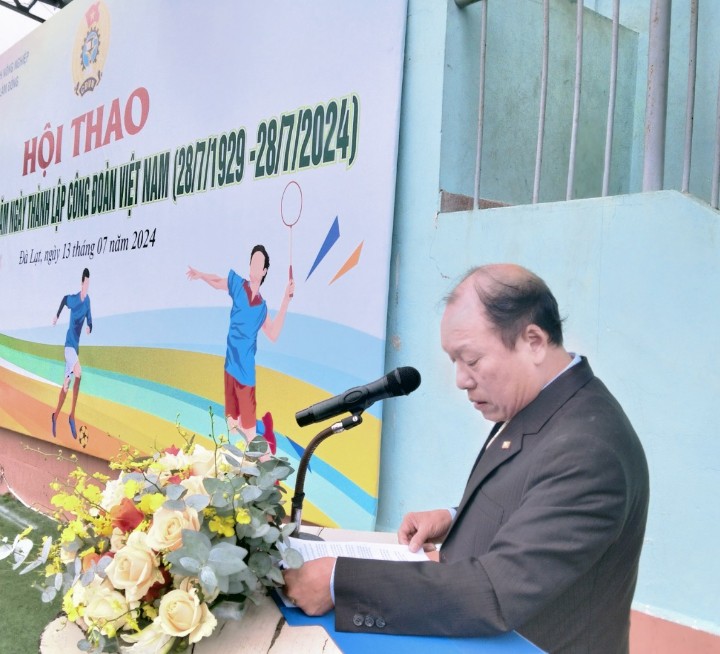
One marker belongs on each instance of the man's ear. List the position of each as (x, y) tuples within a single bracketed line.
[(536, 340)]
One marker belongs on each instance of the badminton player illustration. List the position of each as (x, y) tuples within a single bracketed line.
[(79, 305), (248, 316)]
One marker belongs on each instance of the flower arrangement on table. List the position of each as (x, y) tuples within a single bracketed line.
[(149, 561)]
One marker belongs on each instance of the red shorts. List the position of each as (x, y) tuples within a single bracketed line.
[(240, 402)]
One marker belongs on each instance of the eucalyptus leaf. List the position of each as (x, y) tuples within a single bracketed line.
[(235, 451), (250, 470), (272, 535), (292, 558), (102, 564), (250, 493), (35, 564), (260, 563), (261, 530), (46, 549), (197, 502), (49, 594), (196, 544), (87, 577), (190, 564), (288, 529), (174, 505), (275, 575), (175, 491), (208, 578), (84, 645)]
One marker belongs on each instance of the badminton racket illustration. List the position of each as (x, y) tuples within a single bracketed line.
[(290, 209)]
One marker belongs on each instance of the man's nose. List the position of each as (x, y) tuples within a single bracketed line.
[(463, 379)]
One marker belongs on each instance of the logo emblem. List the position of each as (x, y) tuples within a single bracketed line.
[(91, 47)]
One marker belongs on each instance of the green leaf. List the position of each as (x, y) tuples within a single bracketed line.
[(190, 564), (174, 505), (272, 535), (197, 502), (288, 529), (250, 493), (292, 558), (48, 594), (208, 578), (196, 544), (175, 491), (275, 575), (261, 530), (260, 563)]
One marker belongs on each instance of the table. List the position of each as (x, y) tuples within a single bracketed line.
[(272, 628)]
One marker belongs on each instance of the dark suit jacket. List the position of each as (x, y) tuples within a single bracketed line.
[(546, 539)]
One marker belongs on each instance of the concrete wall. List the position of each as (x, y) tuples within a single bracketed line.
[(512, 102)]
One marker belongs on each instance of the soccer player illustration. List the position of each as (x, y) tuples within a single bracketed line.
[(79, 305), (248, 315)]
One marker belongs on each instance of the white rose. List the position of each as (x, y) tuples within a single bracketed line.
[(105, 605), (112, 494), (151, 640), (165, 532), (194, 485), (182, 614), (190, 583), (202, 462), (135, 567), (170, 462)]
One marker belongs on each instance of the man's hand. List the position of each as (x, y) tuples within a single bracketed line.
[(422, 527), (308, 587), (54, 320)]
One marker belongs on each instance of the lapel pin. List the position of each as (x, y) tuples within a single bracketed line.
[(506, 445)]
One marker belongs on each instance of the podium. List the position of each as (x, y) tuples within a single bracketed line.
[(273, 627)]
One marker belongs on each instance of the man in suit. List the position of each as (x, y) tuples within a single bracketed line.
[(547, 537)]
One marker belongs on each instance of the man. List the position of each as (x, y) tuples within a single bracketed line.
[(247, 316), (547, 536), (79, 305)]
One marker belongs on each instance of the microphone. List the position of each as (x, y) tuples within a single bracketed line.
[(400, 381)]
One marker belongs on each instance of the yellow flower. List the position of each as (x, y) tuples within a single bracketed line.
[(242, 517), (73, 529), (222, 526), (132, 488), (92, 494), (25, 532), (151, 502)]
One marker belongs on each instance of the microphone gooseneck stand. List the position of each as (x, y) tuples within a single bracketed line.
[(297, 500)]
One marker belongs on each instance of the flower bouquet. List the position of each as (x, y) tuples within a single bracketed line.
[(148, 562)]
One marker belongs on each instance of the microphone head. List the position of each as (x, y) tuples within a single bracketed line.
[(408, 379)]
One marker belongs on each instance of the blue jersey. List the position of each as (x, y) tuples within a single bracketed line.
[(247, 317), (79, 312)]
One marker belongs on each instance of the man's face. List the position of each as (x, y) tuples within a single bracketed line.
[(85, 286), (257, 267), (499, 382)]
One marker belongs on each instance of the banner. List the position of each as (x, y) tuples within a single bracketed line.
[(148, 149)]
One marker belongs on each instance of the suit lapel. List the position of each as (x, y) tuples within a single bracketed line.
[(526, 423), (506, 445)]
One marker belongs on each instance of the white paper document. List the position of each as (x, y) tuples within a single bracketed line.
[(315, 549)]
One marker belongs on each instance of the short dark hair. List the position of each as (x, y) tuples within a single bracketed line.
[(512, 303), (261, 248), (85, 275)]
